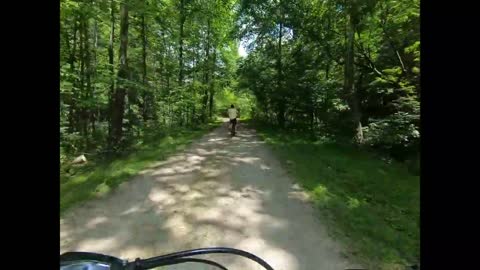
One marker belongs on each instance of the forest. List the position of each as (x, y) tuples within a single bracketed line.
[(333, 86), (346, 70)]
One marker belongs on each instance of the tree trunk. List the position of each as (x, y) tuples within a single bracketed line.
[(207, 74), (119, 95), (94, 113), (312, 120), (146, 102), (88, 77), (71, 59), (81, 109), (180, 42), (194, 79), (212, 84), (349, 81), (162, 59), (144, 51), (112, 68), (281, 105), (95, 46)]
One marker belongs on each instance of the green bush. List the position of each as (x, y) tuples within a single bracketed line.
[(397, 134)]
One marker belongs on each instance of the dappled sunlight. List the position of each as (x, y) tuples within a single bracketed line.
[(195, 159), (213, 173), (96, 221), (215, 193), (216, 139), (180, 177), (64, 233), (223, 190), (182, 188), (186, 169), (264, 167), (206, 185), (277, 258), (236, 222), (163, 196), (225, 200), (296, 186), (131, 253), (247, 207), (164, 171), (252, 190), (100, 245), (193, 195), (204, 152), (209, 214), (299, 195), (249, 160), (177, 226), (170, 160)]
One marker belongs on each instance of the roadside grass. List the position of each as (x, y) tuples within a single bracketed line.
[(371, 206), (98, 179)]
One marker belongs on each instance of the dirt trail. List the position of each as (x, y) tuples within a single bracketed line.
[(220, 191)]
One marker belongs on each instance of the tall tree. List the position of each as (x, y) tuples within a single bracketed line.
[(181, 37), (111, 65), (120, 91)]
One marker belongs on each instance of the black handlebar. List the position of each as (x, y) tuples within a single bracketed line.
[(204, 261), (168, 259)]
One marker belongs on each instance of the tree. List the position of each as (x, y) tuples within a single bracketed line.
[(349, 69), (344, 69), (107, 105)]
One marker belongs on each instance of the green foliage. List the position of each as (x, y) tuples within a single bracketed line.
[(154, 95), (395, 130), (244, 101), (303, 79), (183, 67)]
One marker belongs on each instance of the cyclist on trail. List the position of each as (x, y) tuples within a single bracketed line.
[(232, 115)]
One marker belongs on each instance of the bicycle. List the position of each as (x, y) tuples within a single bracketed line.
[(233, 126), (97, 261)]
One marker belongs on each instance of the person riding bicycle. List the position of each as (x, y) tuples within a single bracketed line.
[(232, 115)]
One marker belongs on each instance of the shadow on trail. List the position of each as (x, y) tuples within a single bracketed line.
[(221, 191)]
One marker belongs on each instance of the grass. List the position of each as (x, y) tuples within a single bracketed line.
[(99, 179), (370, 206)]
